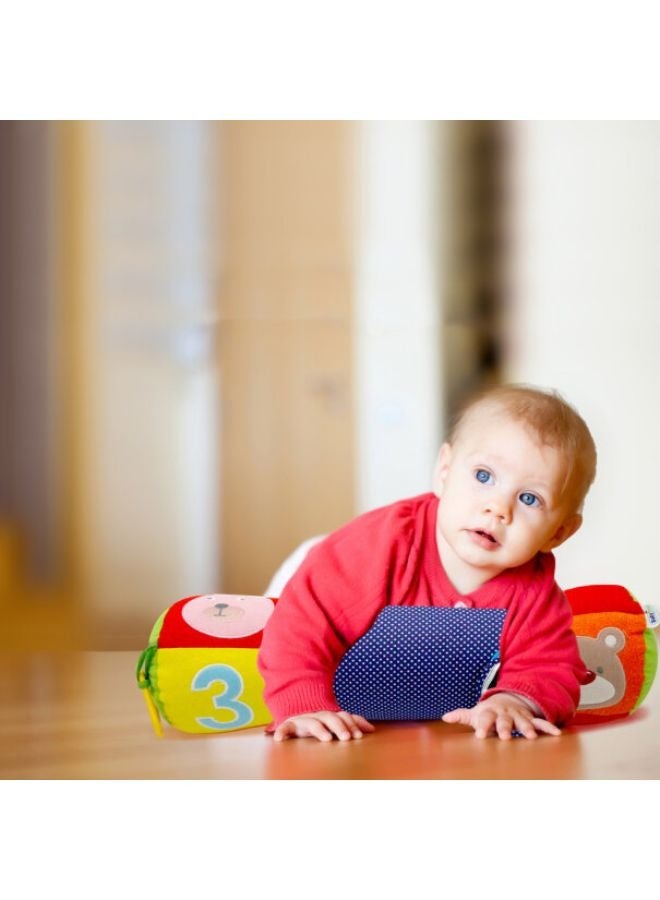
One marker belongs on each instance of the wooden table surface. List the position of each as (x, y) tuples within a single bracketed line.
[(81, 716)]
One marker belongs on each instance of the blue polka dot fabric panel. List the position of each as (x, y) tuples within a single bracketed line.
[(418, 663)]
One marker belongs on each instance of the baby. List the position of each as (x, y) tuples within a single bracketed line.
[(508, 489)]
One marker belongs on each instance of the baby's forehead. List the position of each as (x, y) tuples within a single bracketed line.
[(486, 414), (490, 430)]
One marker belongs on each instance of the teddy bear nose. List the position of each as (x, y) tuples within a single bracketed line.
[(591, 676)]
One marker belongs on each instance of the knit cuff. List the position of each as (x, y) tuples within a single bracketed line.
[(526, 699), (542, 712), (305, 697)]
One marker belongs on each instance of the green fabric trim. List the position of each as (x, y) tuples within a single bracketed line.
[(158, 624), (143, 673), (147, 667), (147, 677), (153, 684), (650, 664)]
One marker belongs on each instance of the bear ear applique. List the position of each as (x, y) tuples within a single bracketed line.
[(618, 648), (613, 638)]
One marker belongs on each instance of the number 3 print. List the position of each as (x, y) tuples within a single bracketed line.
[(226, 699)]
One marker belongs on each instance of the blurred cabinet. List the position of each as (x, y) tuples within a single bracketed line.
[(146, 402), (285, 341)]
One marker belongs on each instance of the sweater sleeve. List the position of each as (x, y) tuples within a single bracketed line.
[(540, 658), (328, 604)]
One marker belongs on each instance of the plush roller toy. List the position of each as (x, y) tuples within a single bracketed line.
[(199, 671), (618, 647)]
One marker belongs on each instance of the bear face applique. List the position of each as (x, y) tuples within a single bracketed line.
[(600, 656)]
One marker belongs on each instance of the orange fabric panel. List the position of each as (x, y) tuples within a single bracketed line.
[(631, 655)]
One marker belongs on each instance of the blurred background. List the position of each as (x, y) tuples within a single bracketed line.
[(218, 339)]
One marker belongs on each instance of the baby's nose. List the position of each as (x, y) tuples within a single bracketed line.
[(500, 507)]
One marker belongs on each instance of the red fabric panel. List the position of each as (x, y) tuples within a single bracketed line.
[(176, 632), (601, 598)]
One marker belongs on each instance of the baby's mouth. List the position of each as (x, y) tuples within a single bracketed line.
[(485, 538)]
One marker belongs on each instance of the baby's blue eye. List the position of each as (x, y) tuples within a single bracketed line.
[(483, 476), (529, 499)]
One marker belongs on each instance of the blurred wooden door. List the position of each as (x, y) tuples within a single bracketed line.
[(151, 430), (287, 435)]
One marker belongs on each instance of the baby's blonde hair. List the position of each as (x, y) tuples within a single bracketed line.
[(553, 421)]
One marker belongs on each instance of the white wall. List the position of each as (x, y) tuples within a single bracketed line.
[(586, 320), (397, 381)]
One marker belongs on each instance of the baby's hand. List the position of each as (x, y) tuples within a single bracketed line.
[(501, 714), (324, 725)]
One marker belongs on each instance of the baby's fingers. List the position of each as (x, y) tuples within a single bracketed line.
[(504, 726), (486, 720), (363, 723), (482, 720), (528, 727), (357, 725), (284, 731), (458, 717), (546, 727), (302, 726), (525, 726)]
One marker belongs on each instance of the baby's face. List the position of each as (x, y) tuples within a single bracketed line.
[(501, 499)]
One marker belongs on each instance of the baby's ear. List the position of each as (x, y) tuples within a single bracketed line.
[(441, 469), (567, 528)]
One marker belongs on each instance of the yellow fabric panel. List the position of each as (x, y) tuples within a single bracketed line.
[(210, 690)]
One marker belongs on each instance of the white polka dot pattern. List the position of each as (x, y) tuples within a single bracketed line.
[(418, 663)]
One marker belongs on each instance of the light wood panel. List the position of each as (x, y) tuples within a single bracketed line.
[(285, 342), (81, 715)]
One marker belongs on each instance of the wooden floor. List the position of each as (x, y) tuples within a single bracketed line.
[(80, 715)]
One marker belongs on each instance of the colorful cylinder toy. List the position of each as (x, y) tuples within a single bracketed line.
[(199, 671), (618, 646)]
